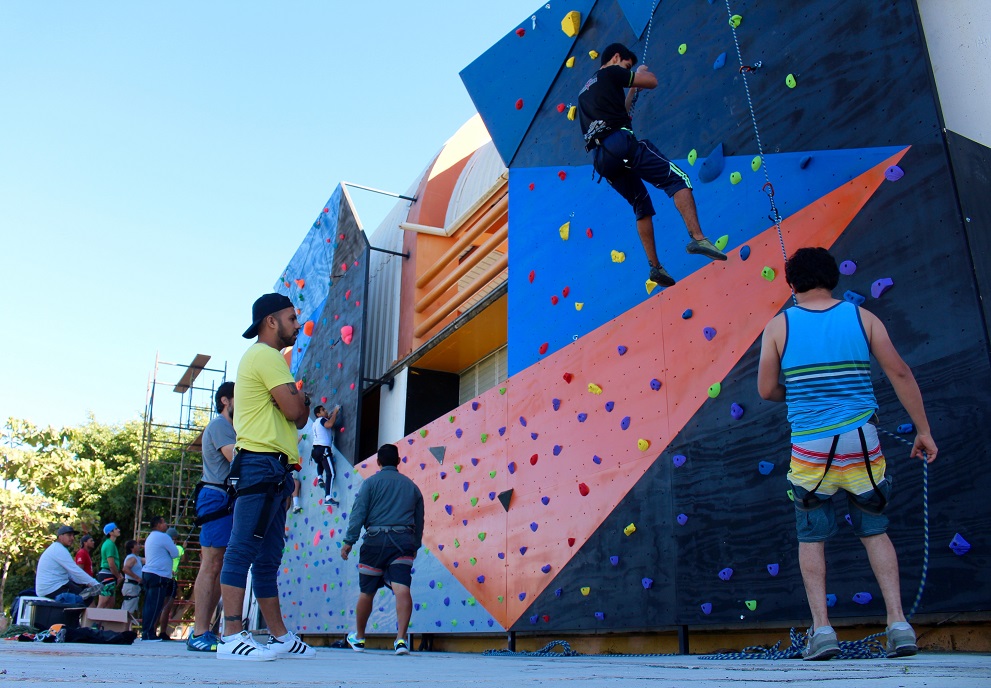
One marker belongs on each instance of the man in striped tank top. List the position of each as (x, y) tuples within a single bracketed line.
[(822, 348)]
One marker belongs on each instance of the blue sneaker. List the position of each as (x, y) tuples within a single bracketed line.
[(206, 642), (358, 645)]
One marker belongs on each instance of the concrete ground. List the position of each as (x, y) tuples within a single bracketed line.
[(170, 664)]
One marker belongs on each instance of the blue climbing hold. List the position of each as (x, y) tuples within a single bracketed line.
[(621, 349), (804, 162), (502, 431), (647, 583), (533, 435), (959, 545), (556, 403), (546, 568), (533, 619), (600, 615), (512, 467), (765, 467), (481, 579), (443, 475), (596, 460), (492, 495), (545, 500), (523, 421), (458, 433), (522, 551), (720, 62), (707, 608), (679, 460), (854, 298), (610, 405), (614, 560), (557, 449), (709, 333), (582, 417), (558, 592), (474, 406), (773, 569), (522, 596), (533, 527), (848, 267), (736, 411), (830, 600), (449, 509), (687, 314), (744, 252), (712, 166), (863, 598), (655, 384), (726, 574), (625, 423), (682, 519), (905, 429)]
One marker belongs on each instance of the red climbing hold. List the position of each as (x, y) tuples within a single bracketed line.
[(562, 174), (323, 400), (532, 186), (554, 300), (347, 295), (532, 275), (571, 542), (560, 107), (341, 236), (299, 384), (565, 292), (533, 460), (520, 31), (588, 232), (568, 377), (519, 104), (543, 348), (583, 489), (326, 210)]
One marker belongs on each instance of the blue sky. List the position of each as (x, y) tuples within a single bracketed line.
[(160, 163)]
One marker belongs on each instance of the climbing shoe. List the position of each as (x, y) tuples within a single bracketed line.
[(820, 646), (660, 276), (901, 641), (400, 647), (704, 247), (357, 644)]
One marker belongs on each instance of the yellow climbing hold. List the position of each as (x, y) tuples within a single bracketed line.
[(572, 112), (735, 20), (755, 163), (651, 286), (735, 177), (579, 305), (683, 48), (790, 81), (629, 530), (570, 62), (721, 242), (767, 273), (564, 230), (593, 54), (643, 445), (714, 390), (586, 590), (618, 256), (594, 388), (571, 23), (692, 156)]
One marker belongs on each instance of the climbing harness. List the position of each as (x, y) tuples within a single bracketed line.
[(811, 501), (220, 513), (271, 490), (646, 44)]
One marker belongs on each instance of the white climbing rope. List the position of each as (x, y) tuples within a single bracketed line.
[(646, 44)]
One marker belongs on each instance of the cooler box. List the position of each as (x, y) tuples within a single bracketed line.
[(47, 613)]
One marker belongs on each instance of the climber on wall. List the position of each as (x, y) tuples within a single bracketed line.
[(604, 105)]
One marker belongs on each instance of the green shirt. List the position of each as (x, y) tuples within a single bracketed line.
[(108, 550), (175, 560)]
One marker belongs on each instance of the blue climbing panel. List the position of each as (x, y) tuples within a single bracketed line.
[(637, 13)]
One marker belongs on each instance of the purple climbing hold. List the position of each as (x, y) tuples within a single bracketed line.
[(447, 601), (558, 592), (736, 411), (432, 584), (707, 608), (625, 423), (455, 564), (582, 417), (465, 486), (458, 433), (854, 298), (533, 527), (474, 462), (556, 403), (512, 467), (621, 349), (533, 435), (880, 286), (679, 460), (502, 431), (557, 449), (959, 545), (522, 551), (523, 421), (894, 173), (655, 384), (600, 615), (765, 467), (744, 252), (502, 555), (449, 509), (687, 314), (546, 568), (610, 405), (709, 333), (423, 466), (474, 406), (830, 600), (596, 460), (440, 548), (848, 267), (849, 521), (545, 500), (726, 574), (773, 569), (614, 560), (863, 598), (492, 495), (410, 441), (534, 618), (647, 583), (682, 519), (522, 596), (443, 475)]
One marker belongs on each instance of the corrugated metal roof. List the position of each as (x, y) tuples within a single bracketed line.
[(483, 172)]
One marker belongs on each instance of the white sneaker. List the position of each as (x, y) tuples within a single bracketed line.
[(293, 647), (245, 648)]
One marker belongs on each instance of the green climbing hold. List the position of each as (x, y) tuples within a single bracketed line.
[(454, 622), (450, 419), (473, 561), (456, 543), (751, 604), (485, 436), (721, 242), (500, 599), (714, 390), (481, 536), (735, 177), (755, 163), (474, 501), (423, 433), (683, 48), (790, 81), (375, 626), (502, 390), (692, 156), (791, 495), (457, 468), (735, 20), (471, 601), (492, 474), (435, 495), (767, 273)]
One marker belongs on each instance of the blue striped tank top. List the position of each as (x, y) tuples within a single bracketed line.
[(827, 370)]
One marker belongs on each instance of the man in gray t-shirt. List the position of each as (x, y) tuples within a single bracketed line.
[(218, 452)]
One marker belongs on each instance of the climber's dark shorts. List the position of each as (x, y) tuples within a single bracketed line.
[(627, 163), (384, 559)]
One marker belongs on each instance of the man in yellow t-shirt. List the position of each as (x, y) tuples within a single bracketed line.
[(268, 409)]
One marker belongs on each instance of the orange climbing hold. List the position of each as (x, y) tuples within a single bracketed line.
[(300, 283), (308, 328)]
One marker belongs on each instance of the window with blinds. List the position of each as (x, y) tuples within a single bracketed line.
[(484, 375)]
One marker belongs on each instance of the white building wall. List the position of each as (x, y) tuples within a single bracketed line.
[(392, 409)]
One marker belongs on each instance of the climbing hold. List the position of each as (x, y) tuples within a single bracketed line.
[(621, 349), (744, 252), (692, 156), (629, 530), (614, 560), (625, 423), (755, 163), (519, 104), (522, 551), (562, 175), (565, 230), (959, 545), (791, 495), (492, 474), (683, 48), (720, 61), (474, 501), (830, 600), (533, 460), (594, 388), (423, 432), (646, 583), (679, 460), (773, 569), (456, 543), (651, 286), (735, 20), (687, 314), (736, 411), (735, 177), (790, 81), (751, 604), (618, 256), (722, 241), (655, 384), (532, 275), (600, 615), (557, 450), (713, 165), (347, 334), (706, 608), (767, 273), (502, 390), (554, 299), (484, 437), (522, 596), (583, 489), (714, 390), (457, 468), (568, 377), (480, 579), (558, 592), (582, 417), (560, 107), (863, 598), (854, 298), (894, 173), (709, 333), (579, 305), (572, 112), (556, 404), (586, 590), (534, 526), (880, 286), (905, 429), (726, 574), (438, 452), (505, 498), (565, 292), (435, 495), (596, 460), (543, 348), (682, 519), (593, 54), (308, 328), (449, 509), (643, 445), (500, 598), (512, 467), (458, 433), (570, 62), (520, 32), (848, 267), (804, 162), (533, 435), (765, 467), (546, 568)]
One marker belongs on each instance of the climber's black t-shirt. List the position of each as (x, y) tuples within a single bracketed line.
[(602, 104)]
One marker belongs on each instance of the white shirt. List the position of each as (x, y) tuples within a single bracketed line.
[(321, 435), (159, 553), (56, 567)]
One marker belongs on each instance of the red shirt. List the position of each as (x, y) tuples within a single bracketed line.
[(84, 561)]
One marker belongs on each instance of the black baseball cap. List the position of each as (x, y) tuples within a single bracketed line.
[(263, 307), (66, 530)]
